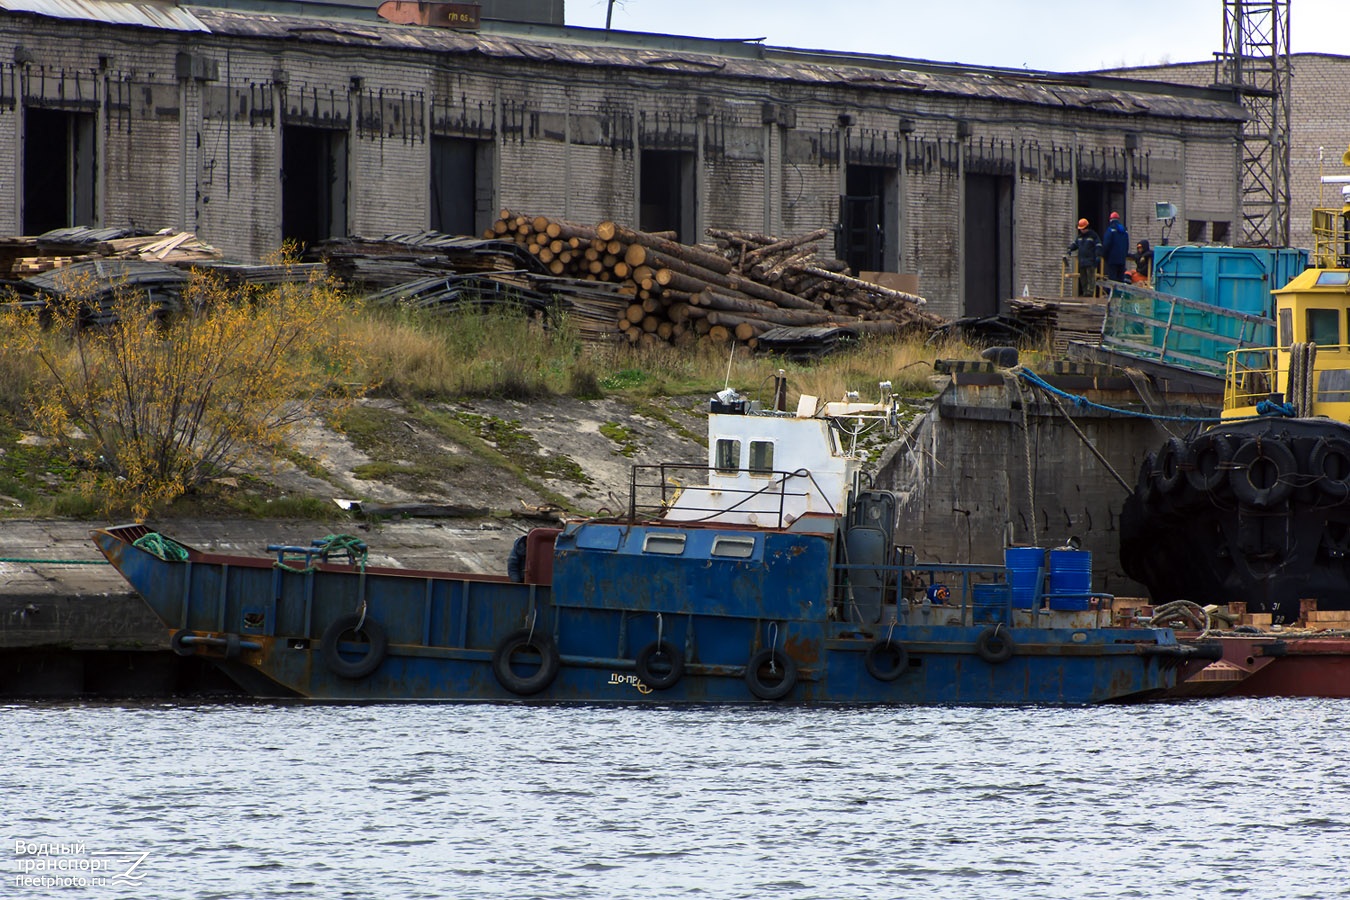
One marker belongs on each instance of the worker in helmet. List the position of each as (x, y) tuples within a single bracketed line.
[(1088, 246), (1115, 247)]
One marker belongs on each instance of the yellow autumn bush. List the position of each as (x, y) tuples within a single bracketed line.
[(160, 402)]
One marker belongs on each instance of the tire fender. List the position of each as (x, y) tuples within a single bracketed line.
[(776, 661), (994, 645), (670, 665), (526, 639), (886, 660), (377, 646)]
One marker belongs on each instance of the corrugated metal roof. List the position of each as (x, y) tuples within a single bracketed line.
[(887, 75), (147, 15)]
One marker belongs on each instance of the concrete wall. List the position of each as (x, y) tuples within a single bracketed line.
[(203, 151), (992, 465)]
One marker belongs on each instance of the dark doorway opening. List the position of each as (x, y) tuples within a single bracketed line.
[(1096, 201), (58, 170), (868, 213), (313, 184), (988, 261), (461, 185), (666, 194)]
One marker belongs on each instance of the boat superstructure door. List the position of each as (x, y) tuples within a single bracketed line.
[(869, 536)]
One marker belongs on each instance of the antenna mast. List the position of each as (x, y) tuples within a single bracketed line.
[(1255, 63)]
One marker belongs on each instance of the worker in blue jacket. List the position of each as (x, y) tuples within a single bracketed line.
[(1115, 247), (1088, 246)]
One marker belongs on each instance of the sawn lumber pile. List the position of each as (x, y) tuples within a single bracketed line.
[(737, 288), (1061, 321)]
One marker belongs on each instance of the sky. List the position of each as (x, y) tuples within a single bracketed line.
[(1034, 34)]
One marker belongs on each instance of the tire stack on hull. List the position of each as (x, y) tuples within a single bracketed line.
[(1256, 511)]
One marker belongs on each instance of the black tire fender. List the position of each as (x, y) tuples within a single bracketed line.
[(667, 657), (1171, 465), (376, 638), (549, 662), (886, 660), (994, 646), (1253, 456), (1211, 455), (767, 688), (1329, 463)]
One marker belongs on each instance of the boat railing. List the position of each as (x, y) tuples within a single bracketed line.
[(1252, 376), (871, 594), (1176, 331), (1331, 239), (655, 488)]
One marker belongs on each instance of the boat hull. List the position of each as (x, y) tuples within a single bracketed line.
[(285, 630)]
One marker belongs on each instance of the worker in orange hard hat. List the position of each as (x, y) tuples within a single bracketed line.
[(1089, 249), (1115, 248)]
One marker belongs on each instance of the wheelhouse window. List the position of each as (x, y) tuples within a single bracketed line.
[(1324, 327), (761, 457), (728, 456), (734, 547), (670, 544)]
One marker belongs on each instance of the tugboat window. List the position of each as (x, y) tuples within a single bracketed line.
[(1333, 279), (728, 456), (669, 544), (735, 547), (1324, 327), (761, 457)]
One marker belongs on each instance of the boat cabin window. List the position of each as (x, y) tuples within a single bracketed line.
[(670, 544), (728, 455), (734, 547), (1286, 328), (1324, 327), (761, 457), (1333, 279)]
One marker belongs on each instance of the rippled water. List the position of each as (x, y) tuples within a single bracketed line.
[(1227, 798)]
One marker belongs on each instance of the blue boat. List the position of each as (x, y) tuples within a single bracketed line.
[(771, 574)]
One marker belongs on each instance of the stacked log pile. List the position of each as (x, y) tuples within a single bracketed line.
[(739, 287)]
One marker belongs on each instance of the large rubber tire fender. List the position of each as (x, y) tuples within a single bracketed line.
[(1172, 462), (765, 689), (1329, 464), (1257, 452), (994, 646), (549, 662), (339, 665), (886, 660), (659, 651), (1211, 456)]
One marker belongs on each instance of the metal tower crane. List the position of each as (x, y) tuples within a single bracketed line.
[(1255, 63)]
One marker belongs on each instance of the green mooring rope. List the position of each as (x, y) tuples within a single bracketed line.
[(158, 545), (333, 545)]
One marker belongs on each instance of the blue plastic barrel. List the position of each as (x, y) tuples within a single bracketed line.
[(1070, 574), (1025, 566), (989, 603)]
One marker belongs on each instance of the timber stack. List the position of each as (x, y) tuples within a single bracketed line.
[(737, 288)]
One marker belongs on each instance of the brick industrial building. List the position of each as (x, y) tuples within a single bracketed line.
[(301, 120), (1319, 134)]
